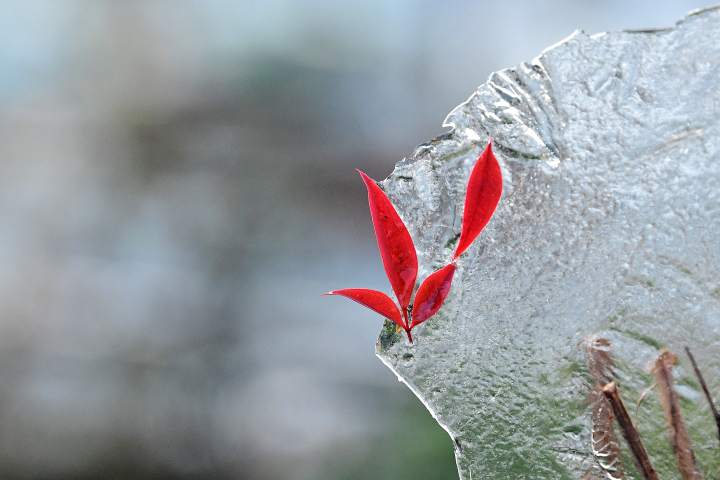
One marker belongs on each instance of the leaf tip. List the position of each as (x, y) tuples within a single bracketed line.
[(365, 177)]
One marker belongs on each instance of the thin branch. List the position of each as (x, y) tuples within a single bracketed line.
[(604, 444), (629, 432), (679, 437), (705, 389)]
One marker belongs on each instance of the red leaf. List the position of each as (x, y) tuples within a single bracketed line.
[(482, 197), (374, 300), (431, 294), (396, 247)]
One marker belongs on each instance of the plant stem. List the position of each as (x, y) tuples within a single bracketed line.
[(604, 444), (705, 389), (679, 438), (629, 431)]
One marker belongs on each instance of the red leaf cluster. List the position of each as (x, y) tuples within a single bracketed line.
[(399, 257)]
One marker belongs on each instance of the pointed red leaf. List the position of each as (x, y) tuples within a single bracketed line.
[(396, 247), (374, 300), (431, 294), (482, 197)]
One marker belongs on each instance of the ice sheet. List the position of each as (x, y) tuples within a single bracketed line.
[(609, 226)]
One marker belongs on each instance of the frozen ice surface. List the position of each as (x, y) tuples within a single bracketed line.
[(609, 226)]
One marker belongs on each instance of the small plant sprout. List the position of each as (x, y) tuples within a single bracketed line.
[(399, 257)]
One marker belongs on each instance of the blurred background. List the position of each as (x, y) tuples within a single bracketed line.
[(177, 189)]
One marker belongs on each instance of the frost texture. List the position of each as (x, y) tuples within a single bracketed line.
[(609, 226)]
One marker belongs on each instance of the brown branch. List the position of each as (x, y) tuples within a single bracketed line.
[(705, 389), (604, 443), (679, 438), (632, 437)]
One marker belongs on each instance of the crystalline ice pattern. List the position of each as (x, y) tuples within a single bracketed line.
[(609, 225)]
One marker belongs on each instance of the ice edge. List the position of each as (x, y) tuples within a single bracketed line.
[(415, 392)]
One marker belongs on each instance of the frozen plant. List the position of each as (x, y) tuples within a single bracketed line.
[(399, 257)]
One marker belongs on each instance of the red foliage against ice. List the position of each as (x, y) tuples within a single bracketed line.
[(483, 194), (396, 246), (431, 294), (373, 300), (397, 249)]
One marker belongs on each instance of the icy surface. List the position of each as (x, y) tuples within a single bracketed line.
[(609, 225)]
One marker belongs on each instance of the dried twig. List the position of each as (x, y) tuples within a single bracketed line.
[(632, 437), (679, 438), (644, 394), (604, 443), (705, 389)]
